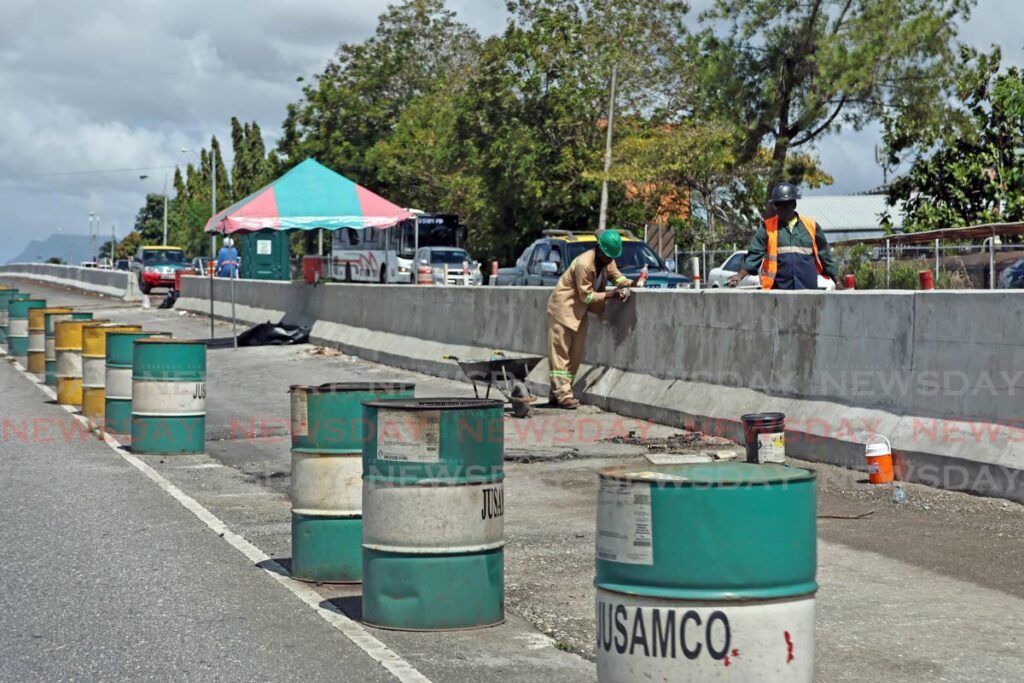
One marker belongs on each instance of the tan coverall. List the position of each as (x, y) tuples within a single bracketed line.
[(579, 291)]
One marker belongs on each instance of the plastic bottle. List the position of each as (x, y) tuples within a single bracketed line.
[(899, 496), (642, 280)]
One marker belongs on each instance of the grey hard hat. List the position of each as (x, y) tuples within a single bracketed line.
[(785, 192)]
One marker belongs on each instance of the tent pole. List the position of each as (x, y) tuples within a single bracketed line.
[(234, 333)]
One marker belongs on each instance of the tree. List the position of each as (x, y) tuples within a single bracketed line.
[(514, 141), (789, 73), (357, 99), (969, 168), (55, 260), (129, 245), (149, 222)]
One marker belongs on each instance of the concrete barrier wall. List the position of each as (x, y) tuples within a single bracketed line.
[(940, 373), (113, 283)]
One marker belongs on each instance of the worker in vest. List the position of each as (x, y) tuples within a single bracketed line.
[(577, 293), (227, 259), (788, 251)]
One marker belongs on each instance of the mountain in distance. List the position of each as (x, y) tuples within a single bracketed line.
[(71, 249)]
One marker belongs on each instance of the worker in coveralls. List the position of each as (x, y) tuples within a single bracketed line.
[(578, 292), (227, 259), (788, 251)]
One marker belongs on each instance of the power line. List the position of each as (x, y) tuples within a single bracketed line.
[(99, 172)]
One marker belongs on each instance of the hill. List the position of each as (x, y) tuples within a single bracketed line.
[(71, 248)]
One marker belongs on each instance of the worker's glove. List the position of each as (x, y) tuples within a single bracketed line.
[(622, 294)]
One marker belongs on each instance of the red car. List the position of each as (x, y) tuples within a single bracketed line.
[(156, 266)]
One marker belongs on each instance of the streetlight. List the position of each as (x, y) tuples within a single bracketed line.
[(94, 221)]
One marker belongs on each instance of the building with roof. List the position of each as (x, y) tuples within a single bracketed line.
[(856, 216)]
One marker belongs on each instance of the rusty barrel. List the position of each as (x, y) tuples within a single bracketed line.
[(433, 514), (326, 480), (94, 368), (68, 349)]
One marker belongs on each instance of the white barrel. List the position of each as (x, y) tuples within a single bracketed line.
[(4, 317), (650, 639), (327, 484), (37, 341), (465, 518), (17, 327), (118, 383), (154, 398), (69, 364), (94, 372)]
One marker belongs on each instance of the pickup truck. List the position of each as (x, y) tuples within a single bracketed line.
[(544, 261)]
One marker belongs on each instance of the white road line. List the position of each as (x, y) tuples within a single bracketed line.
[(388, 658)]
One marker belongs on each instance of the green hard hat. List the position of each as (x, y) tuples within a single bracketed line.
[(610, 242)]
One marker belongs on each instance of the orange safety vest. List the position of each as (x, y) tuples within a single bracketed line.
[(770, 264)]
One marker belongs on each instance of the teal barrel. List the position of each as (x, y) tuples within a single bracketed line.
[(117, 402), (326, 477), (706, 572), (6, 295), (433, 514), (168, 396), (50, 320), (17, 327)]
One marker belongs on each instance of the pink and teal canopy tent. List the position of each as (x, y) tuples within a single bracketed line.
[(308, 197)]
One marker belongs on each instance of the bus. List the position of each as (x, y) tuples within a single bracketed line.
[(385, 255)]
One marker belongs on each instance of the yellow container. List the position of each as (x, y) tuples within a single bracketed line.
[(94, 367), (68, 346), (37, 339)]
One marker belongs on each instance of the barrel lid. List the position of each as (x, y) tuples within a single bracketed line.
[(435, 403), (55, 310), (168, 340), (145, 332), (763, 417), (710, 474), (338, 387)]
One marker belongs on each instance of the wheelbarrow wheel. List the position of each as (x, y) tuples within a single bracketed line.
[(520, 399)]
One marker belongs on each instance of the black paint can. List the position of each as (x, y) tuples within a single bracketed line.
[(765, 437)]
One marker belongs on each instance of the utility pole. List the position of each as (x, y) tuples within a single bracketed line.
[(213, 235), (165, 209), (602, 222)]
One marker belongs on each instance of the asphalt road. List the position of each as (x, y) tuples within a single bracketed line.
[(104, 576)]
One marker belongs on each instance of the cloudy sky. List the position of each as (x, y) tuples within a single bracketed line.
[(112, 84)]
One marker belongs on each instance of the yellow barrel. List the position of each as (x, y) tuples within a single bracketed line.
[(37, 339), (68, 345), (94, 367)]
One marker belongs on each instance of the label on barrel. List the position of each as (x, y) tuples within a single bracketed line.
[(300, 413), (653, 639), (771, 447), (409, 436), (624, 522)]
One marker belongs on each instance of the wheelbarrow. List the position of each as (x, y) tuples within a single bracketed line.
[(507, 375)]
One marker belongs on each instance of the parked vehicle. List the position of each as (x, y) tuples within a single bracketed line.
[(156, 266), (450, 266), (719, 277), (545, 260), (199, 264), (87, 264), (386, 255), (1013, 276)]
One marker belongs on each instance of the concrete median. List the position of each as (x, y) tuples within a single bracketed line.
[(940, 373), (113, 283)]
